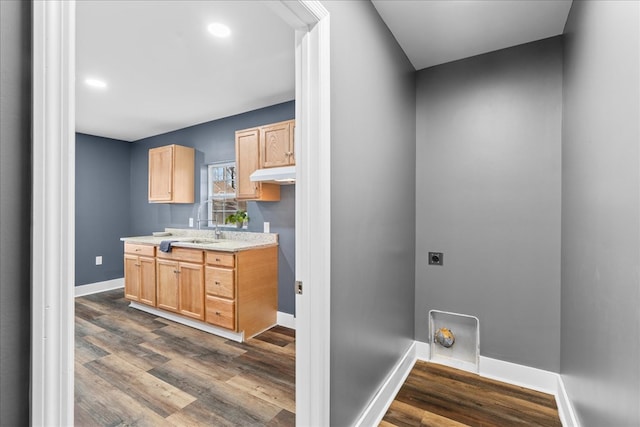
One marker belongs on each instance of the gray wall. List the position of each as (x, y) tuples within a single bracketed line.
[(601, 213), (215, 141), (102, 207), (488, 196), (15, 211), (372, 204)]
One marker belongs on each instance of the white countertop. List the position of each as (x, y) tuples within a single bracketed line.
[(230, 241)]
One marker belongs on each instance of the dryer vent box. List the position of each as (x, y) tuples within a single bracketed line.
[(454, 340)]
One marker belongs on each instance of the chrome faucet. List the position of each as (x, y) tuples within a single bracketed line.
[(218, 233), (198, 212)]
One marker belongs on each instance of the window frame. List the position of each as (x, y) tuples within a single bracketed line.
[(226, 196)]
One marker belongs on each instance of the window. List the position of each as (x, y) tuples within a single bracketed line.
[(221, 195)]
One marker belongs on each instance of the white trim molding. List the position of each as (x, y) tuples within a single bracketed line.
[(377, 408), (287, 320), (205, 327), (53, 234), (97, 287), (313, 215)]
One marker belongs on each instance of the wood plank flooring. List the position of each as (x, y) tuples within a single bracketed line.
[(436, 395), (136, 369)]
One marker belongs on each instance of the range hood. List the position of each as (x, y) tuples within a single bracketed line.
[(281, 175)]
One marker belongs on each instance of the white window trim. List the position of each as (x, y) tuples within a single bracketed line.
[(211, 197)]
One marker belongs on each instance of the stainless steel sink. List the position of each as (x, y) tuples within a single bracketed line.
[(202, 241)]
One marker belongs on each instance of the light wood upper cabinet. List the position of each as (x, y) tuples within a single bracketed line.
[(276, 145), (247, 162), (171, 174)]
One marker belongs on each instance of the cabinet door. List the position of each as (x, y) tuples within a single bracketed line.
[(167, 285), (161, 174), (276, 145), (131, 277), (247, 162), (147, 270), (191, 290)]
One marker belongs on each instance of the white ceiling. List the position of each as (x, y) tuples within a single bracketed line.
[(165, 71), (433, 32)]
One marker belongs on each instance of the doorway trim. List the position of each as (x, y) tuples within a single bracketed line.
[(53, 211)]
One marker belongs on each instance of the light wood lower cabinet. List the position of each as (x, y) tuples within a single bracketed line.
[(180, 282), (236, 291), (242, 289), (140, 273)]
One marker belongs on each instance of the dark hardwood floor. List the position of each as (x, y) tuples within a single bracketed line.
[(436, 395), (135, 369)]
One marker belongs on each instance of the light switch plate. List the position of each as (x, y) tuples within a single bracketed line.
[(267, 227), (190, 222), (99, 260)]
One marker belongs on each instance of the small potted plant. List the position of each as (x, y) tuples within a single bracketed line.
[(238, 218)]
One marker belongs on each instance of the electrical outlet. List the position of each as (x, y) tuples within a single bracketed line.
[(267, 227), (99, 260), (436, 258), (190, 222)]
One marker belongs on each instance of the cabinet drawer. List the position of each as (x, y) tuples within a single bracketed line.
[(182, 254), (221, 259), (137, 249), (221, 312), (219, 282)]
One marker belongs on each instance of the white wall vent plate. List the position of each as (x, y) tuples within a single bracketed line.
[(454, 340)]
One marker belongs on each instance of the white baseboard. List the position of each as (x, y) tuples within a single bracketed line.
[(567, 414), (520, 375), (287, 320), (225, 333), (511, 373), (373, 414), (94, 288), (535, 379)]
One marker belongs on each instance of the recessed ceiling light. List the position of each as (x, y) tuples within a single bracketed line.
[(219, 30), (97, 83)]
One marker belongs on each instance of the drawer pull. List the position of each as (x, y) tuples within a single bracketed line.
[(217, 313), (218, 259), (217, 283), (138, 249)]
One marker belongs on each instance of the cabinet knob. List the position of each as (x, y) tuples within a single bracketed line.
[(217, 313), (218, 260), (217, 283)]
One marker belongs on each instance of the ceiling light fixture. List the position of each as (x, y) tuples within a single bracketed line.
[(97, 83), (219, 30)]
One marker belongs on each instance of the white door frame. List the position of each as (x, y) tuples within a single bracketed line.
[(53, 212)]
